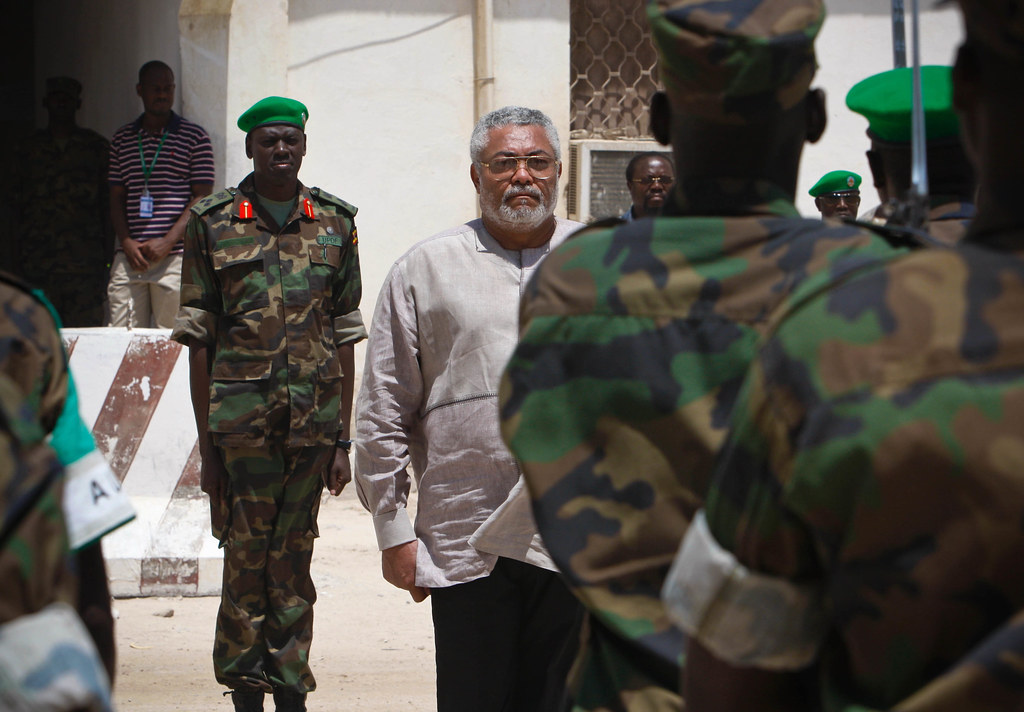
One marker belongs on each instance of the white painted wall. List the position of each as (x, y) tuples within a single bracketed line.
[(102, 44), (389, 86)]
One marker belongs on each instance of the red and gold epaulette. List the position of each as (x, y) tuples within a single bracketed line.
[(307, 208), (245, 210)]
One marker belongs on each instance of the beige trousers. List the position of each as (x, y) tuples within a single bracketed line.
[(144, 299)]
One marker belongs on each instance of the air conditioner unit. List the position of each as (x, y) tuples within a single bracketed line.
[(597, 176)]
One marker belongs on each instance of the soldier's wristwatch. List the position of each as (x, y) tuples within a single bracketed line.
[(345, 445)]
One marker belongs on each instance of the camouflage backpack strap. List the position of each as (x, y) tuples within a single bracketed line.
[(212, 202), (323, 196)]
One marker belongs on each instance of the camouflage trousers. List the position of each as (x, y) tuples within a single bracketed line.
[(265, 621)]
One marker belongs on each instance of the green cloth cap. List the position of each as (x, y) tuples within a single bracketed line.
[(732, 62), (885, 100), (64, 85), (996, 24), (836, 182), (274, 110)]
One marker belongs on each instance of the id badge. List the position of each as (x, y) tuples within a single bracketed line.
[(146, 205)]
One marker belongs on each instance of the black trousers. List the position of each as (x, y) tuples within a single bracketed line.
[(504, 643)]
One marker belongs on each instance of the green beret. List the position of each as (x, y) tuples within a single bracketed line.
[(274, 110), (997, 25), (733, 62), (64, 85), (886, 99), (836, 182)]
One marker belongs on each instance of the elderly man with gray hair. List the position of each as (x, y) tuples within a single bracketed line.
[(445, 325)]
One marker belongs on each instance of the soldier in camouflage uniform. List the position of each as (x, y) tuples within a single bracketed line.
[(634, 340), (865, 525), (43, 581), (885, 100), (62, 240), (269, 310)]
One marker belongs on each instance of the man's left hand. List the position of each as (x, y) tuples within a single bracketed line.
[(340, 473)]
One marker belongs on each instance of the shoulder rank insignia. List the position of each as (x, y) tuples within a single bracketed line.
[(213, 201), (245, 210), (307, 208), (324, 197)]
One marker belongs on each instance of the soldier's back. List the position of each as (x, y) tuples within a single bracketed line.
[(634, 343)]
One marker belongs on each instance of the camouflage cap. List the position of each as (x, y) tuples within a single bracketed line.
[(274, 110), (64, 85), (732, 62), (886, 100), (835, 182), (997, 25)]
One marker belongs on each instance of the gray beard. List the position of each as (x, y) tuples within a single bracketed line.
[(521, 217)]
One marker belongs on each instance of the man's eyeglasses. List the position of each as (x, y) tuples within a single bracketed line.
[(834, 199), (540, 167), (666, 181)]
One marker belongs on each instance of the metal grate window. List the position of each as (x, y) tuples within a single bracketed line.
[(614, 69)]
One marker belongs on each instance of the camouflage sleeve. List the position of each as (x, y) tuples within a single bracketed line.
[(200, 298), (348, 286), (349, 328), (743, 617)]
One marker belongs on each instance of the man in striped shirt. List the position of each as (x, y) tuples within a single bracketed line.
[(159, 165)]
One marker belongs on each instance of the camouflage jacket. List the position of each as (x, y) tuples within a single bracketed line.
[(34, 561), (867, 510), (634, 341), (61, 205), (274, 306)]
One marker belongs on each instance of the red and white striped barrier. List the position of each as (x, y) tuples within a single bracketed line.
[(133, 390)]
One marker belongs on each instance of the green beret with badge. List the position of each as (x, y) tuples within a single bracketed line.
[(836, 182), (274, 110), (734, 63), (886, 101)]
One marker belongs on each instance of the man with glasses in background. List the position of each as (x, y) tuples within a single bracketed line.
[(837, 194), (445, 325), (649, 177)]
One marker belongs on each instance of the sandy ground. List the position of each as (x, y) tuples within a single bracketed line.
[(373, 647)]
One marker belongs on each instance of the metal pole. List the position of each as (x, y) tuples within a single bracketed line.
[(899, 36), (919, 149)]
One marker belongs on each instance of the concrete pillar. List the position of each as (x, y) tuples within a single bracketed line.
[(232, 55)]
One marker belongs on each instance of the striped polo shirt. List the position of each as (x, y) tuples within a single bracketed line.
[(186, 157)]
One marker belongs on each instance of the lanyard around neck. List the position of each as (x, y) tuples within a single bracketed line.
[(147, 171)]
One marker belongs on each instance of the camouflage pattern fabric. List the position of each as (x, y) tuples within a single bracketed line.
[(35, 561), (265, 621), (274, 305), (634, 342), (62, 239), (32, 354), (735, 63), (876, 456)]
